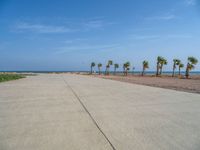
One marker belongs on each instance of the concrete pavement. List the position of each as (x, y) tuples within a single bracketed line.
[(77, 112)]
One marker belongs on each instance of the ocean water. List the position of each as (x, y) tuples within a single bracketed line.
[(111, 72)]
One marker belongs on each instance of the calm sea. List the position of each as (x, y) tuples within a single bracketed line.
[(111, 72)]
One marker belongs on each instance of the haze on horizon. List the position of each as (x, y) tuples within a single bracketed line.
[(70, 34)]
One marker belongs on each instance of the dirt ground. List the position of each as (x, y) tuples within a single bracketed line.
[(189, 85)]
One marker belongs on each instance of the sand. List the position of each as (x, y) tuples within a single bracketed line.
[(180, 84)]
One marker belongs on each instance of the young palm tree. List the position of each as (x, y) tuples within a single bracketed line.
[(99, 67), (192, 61), (162, 62), (145, 66), (159, 59), (133, 69), (126, 67), (92, 65), (116, 66), (110, 62), (176, 62), (179, 68)]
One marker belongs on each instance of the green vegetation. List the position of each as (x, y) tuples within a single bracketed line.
[(8, 77), (161, 61), (192, 61), (92, 65), (126, 67), (116, 66), (110, 63), (145, 66), (179, 68), (99, 67), (176, 63)]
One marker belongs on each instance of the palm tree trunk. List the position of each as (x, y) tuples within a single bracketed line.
[(157, 71), (99, 71), (173, 70), (161, 69), (179, 71), (187, 71), (115, 71), (91, 70), (143, 71)]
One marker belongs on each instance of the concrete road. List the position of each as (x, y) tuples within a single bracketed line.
[(74, 112)]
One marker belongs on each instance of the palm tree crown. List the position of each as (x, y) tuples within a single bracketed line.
[(160, 62), (145, 66), (126, 67), (179, 68), (110, 62), (176, 62), (115, 67), (99, 67), (192, 61), (92, 65)]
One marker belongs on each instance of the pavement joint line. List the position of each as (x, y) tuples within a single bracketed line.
[(93, 120)]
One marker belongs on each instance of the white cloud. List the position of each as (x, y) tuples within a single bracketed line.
[(41, 28), (179, 36), (155, 37), (95, 24), (144, 37), (190, 2), (66, 49), (80, 25), (164, 17)]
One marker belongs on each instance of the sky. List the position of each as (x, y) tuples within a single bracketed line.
[(67, 35)]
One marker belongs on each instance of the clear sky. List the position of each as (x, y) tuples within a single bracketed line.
[(70, 34)]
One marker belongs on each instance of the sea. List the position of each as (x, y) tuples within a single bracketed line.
[(111, 72)]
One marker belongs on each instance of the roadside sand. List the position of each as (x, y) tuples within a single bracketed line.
[(188, 85)]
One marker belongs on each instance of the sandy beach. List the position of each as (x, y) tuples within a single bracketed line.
[(68, 111), (168, 82)]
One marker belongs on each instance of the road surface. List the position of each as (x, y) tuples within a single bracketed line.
[(76, 112)]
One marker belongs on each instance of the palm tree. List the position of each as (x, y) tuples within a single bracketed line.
[(179, 68), (176, 62), (159, 59), (126, 67), (116, 66), (92, 65), (133, 70), (145, 66), (192, 61), (110, 62), (99, 67), (162, 62)]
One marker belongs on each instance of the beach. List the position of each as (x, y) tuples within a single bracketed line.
[(69, 111)]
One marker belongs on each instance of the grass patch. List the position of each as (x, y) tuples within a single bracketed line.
[(8, 77)]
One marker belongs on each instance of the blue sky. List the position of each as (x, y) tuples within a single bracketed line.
[(69, 34)]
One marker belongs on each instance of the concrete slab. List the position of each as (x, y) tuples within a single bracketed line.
[(44, 112), (136, 117)]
